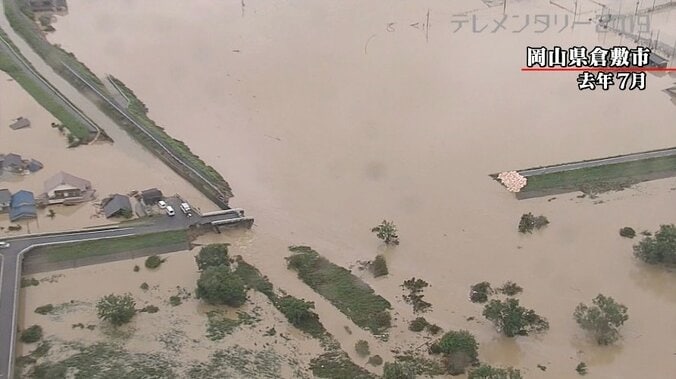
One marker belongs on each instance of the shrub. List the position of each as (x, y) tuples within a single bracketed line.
[(602, 319), (488, 372), (418, 325), (479, 292), (379, 266), (433, 329), (375, 360), (510, 289), (44, 309), (529, 222), (27, 282), (144, 286), (628, 232), (218, 285), (362, 348), (175, 301), (153, 261), (116, 309), (581, 368), (434, 348), (213, 255), (136, 268), (660, 248), (150, 309), (398, 370), (31, 334), (460, 341), (512, 319)]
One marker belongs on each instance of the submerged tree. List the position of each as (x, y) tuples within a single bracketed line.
[(660, 249), (488, 372), (297, 311), (602, 319), (529, 222), (512, 319), (460, 349), (387, 232), (116, 309), (396, 370), (218, 285), (212, 255)]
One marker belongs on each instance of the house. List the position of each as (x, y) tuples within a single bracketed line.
[(13, 162), (655, 60), (151, 196), (64, 186), (22, 206), (20, 123), (117, 205), (5, 200)]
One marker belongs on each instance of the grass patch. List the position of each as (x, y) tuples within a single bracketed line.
[(218, 325), (345, 291), (602, 178), (238, 362), (111, 246), (421, 365)]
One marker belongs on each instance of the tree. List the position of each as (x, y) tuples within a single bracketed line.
[(602, 319), (362, 348), (116, 309), (213, 255), (297, 311), (218, 285), (489, 372), (658, 249), (460, 349), (31, 334), (397, 370), (628, 232), (153, 261), (387, 232), (479, 292), (512, 319), (415, 288)]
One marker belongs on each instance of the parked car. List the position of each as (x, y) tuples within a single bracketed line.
[(170, 210), (162, 204), (185, 208), (4, 245)]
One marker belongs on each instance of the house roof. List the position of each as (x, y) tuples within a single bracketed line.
[(35, 165), (20, 123), (12, 159), (151, 194), (115, 204), (5, 196), (22, 206), (65, 178)]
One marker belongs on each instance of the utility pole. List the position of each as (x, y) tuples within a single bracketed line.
[(636, 11), (504, 6)]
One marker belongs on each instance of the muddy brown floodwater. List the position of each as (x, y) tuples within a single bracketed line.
[(327, 117)]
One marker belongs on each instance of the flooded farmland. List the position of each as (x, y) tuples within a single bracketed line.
[(327, 117)]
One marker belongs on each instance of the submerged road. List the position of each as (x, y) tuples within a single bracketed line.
[(12, 257), (599, 162)]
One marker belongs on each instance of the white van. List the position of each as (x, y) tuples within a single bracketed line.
[(185, 208), (170, 210)]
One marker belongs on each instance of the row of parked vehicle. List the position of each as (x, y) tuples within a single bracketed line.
[(185, 208)]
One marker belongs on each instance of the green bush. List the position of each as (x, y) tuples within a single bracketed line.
[(489, 372), (175, 300), (213, 255), (27, 282), (387, 232), (136, 268), (581, 368), (31, 334), (379, 266), (44, 309), (415, 297), (362, 348), (660, 248), (628, 232), (512, 319), (153, 261), (418, 325), (396, 370), (144, 286), (297, 311), (117, 309), (433, 329), (510, 289), (460, 341)]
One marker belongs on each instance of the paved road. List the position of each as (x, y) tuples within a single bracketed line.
[(599, 162), (12, 257)]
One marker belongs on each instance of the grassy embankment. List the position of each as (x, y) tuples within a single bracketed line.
[(592, 180), (334, 363), (345, 291), (43, 96), (94, 248), (21, 20)]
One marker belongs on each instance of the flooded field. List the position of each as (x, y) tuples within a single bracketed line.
[(109, 169), (327, 117)]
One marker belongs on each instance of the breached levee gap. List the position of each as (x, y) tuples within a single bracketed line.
[(134, 120), (600, 175)]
